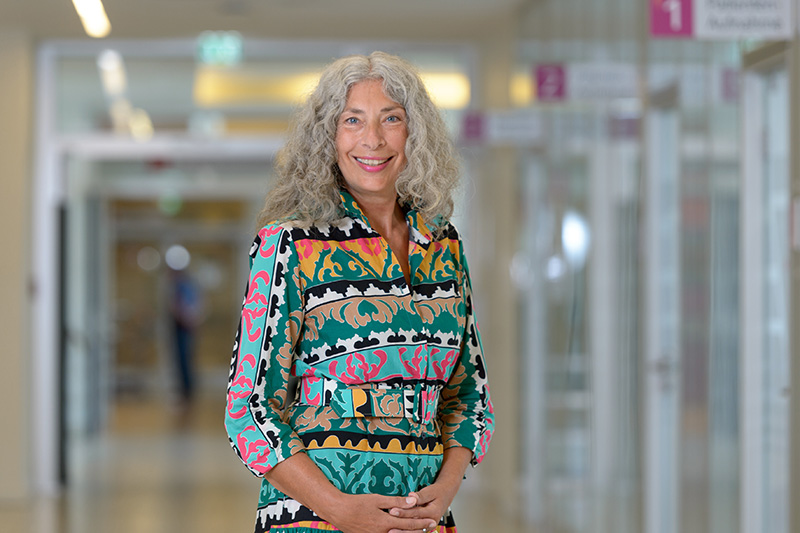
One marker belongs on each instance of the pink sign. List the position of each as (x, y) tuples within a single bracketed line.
[(473, 129), (551, 82), (671, 18)]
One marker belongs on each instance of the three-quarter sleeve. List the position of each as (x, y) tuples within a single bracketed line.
[(466, 412), (269, 327)]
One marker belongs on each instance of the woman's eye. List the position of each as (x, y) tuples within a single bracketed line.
[(393, 119), (351, 120)]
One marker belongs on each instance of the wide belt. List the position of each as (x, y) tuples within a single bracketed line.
[(418, 403)]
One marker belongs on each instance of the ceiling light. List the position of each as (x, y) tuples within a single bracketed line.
[(225, 86), (112, 73), (93, 17), (522, 90), (449, 90), (121, 111), (141, 126)]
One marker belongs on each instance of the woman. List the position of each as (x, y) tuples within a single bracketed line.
[(357, 387)]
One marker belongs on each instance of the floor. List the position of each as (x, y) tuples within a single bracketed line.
[(168, 471)]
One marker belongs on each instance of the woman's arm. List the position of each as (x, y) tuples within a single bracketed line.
[(301, 479), (272, 316), (465, 407)]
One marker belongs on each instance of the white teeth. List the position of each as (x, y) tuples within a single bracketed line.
[(371, 162)]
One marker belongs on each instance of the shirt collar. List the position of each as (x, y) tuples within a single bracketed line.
[(351, 207), (418, 228)]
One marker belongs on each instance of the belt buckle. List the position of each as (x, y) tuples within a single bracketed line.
[(424, 406)]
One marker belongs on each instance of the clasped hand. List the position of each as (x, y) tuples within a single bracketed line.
[(371, 513), (432, 503)]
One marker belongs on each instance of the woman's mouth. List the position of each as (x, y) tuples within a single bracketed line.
[(372, 165)]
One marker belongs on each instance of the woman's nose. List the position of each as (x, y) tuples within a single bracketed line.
[(373, 137)]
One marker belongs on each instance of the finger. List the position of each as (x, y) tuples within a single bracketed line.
[(425, 496), (414, 512), (416, 526), (397, 502)]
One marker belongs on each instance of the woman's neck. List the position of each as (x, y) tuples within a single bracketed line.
[(384, 214)]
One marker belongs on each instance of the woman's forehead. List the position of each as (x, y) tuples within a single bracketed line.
[(370, 90)]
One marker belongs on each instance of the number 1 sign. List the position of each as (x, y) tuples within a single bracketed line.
[(671, 18)]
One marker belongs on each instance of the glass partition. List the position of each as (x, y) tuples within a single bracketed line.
[(766, 283)]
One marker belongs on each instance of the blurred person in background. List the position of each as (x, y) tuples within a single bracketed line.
[(186, 311), (358, 389)]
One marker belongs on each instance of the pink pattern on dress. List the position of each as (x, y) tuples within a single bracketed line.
[(442, 369), (242, 381), (414, 367), (269, 252), (236, 396), (248, 448), (428, 396), (355, 362), (371, 246), (248, 358), (270, 231), (254, 296), (311, 380)]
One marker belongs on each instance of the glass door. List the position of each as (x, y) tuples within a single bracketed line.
[(765, 292), (577, 276)]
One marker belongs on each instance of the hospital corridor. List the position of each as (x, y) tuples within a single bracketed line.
[(628, 202)]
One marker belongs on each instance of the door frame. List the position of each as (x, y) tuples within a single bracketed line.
[(660, 369)]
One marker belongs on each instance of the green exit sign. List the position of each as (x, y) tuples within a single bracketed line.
[(219, 48)]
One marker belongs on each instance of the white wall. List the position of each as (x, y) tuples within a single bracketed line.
[(16, 88)]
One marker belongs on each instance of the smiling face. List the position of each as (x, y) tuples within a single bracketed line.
[(370, 141)]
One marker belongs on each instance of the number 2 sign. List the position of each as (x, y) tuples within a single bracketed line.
[(551, 82)]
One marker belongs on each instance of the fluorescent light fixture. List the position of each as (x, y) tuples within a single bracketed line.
[(121, 111), (220, 87), (449, 90), (93, 17), (522, 90), (141, 126), (112, 73), (239, 86)]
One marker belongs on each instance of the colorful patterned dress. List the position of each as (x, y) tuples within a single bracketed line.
[(337, 356)]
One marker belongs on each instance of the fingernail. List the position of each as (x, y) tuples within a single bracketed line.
[(410, 500), (394, 512)]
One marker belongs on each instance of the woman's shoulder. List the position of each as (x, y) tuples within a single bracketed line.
[(297, 230), (276, 233), (275, 228)]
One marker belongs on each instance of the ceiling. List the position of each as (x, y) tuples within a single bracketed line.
[(275, 19), (165, 85)]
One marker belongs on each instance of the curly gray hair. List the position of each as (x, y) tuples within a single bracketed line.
[(308, 177)]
